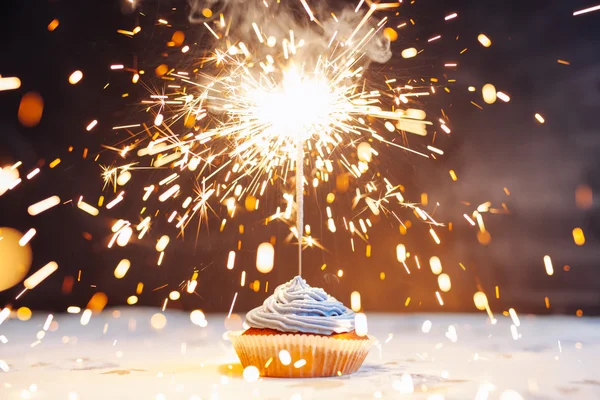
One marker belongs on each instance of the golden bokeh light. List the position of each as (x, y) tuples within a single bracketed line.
[(436, 265), (578, 236), (97, 302), (198, 318), (24, 314), (360, 322), (250, 203), (158, 321), (161, 70), (444, 282), (355, 303), (342, 182), (484, 237), (391, 34), (265, 257), (178, 38), (8, 177), (489, 93), (53, 25), (484, 40), (480, 300), (15, 260), (409, 53), (75, 77)]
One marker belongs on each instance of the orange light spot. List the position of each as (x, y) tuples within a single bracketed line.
[(484, 237), (97, 302), (391, 34), (161, 70), (67, 285), (578, 236), (53, 25), (178, 38), (342, 182), (584, 197), (30, 109)]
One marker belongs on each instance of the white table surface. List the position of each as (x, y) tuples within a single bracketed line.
[(184, 360)]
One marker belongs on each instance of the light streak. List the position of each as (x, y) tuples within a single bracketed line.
[(548, 265), (85, 317), (514, 317), (43, 205), (10, 83), (439, 298), (122, 268), (27, 237), (40, 275), (231, 260), (232, 304), (33, 173), (587, 10), (4, 314), (88, 208), (48, 322), (434, 236), (91, 125), (540, 119)]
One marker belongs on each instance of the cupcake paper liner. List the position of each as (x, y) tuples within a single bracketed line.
[(323, 356)]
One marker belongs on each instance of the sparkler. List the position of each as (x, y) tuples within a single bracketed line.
[(266, 108)]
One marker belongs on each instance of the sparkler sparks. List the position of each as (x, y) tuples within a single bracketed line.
[(256, 125), (257, 112)]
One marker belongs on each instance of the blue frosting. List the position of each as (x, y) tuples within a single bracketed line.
[(297, 307)]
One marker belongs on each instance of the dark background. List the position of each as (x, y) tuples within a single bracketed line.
[(501, 146)]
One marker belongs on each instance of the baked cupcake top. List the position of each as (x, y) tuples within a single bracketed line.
[(297, 307)]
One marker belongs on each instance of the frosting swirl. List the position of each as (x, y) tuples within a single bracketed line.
[(297, 307)]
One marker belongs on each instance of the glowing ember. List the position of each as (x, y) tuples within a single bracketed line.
[(75, 77), (484, 40)]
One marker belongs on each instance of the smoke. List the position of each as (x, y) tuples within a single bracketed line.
[(279, 19)]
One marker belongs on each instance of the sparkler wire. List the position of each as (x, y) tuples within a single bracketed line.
[(300, 197)]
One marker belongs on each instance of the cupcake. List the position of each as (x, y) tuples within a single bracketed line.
[(301, 331)]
